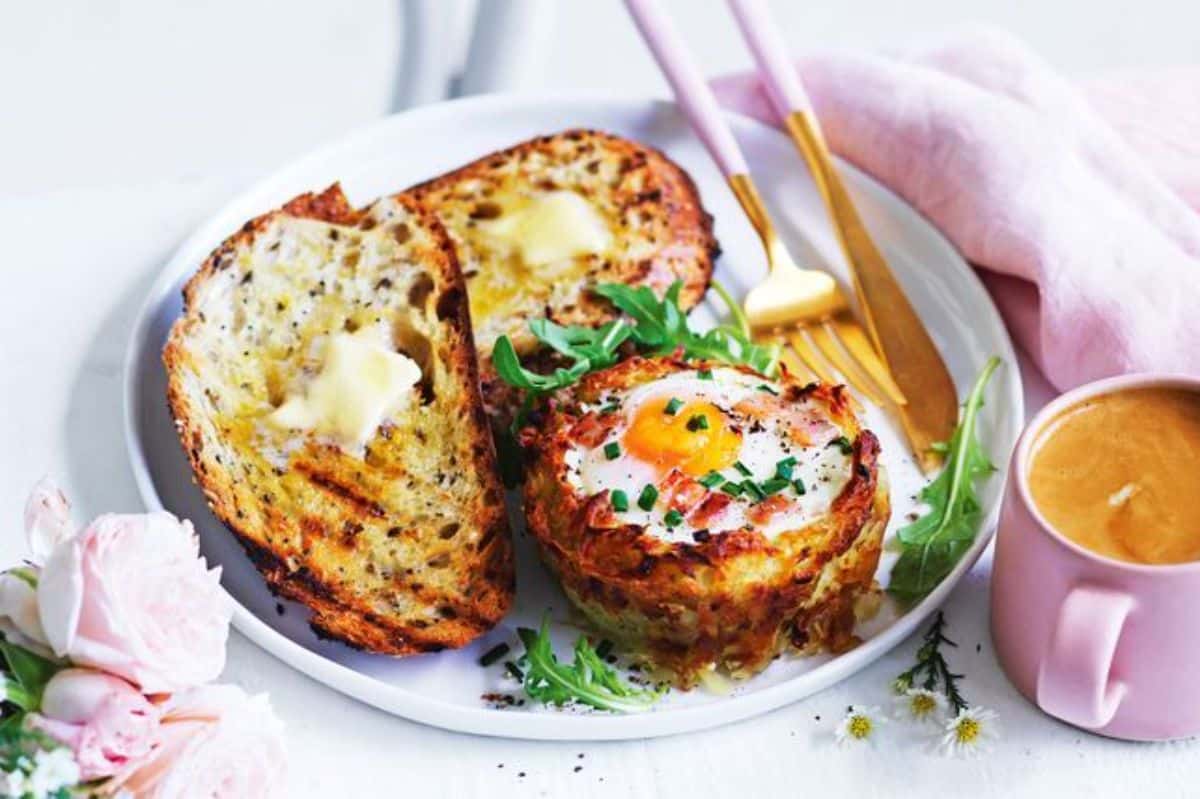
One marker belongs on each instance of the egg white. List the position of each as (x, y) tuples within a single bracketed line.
[(823, 469)]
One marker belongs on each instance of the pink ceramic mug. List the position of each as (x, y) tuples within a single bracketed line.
[(1109, 646)]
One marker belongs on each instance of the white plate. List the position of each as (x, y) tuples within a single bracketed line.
[(445, 689)]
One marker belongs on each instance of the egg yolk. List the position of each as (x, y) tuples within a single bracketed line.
[(680, 440)]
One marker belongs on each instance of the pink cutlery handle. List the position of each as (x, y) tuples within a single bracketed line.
[(687, 81), (775, 66), (1074, 681)]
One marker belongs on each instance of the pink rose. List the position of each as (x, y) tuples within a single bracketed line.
[(214, 741), (105, 721), (131, 596)]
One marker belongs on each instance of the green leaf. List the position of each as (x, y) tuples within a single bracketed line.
[(933, 544), (931, 668), (661, 328), (588, 679), (27, 675), (14, 692), (25, 575)]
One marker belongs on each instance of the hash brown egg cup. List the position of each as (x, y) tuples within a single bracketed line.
[(705, 517)]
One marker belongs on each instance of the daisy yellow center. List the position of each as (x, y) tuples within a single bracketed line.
[(859, 727), (966, 731), (922, 705)]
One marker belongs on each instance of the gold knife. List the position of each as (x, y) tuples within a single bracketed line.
[(931, 411)]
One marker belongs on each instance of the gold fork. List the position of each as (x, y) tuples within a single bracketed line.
[(806, 307), (892, 324)]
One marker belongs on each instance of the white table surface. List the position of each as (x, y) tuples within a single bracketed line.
[(78, 263), (105, 125)]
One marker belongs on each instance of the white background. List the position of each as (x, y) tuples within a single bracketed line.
[(124, 124)]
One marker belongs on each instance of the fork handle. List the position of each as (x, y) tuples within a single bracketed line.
[(688, 83), (775, 66)]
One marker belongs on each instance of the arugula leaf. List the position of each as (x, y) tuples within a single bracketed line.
[(661, 328), (588, 679), (26, 676), (589, 349), (934, 543)]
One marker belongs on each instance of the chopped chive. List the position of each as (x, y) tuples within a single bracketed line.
[(492, 655), (697, 422), (774, 485), (768, 389), (705, 374), (733, 489), (784, 468), (842, 443), (620, 500), (673, 406), (743, 468), (612, 450), (648, 497), (514, 671), (611, 407), (711, 480), (798, 484), (604, 648), (752, 488), (673, 518)]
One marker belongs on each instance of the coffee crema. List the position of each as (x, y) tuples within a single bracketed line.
[(1119, 474)]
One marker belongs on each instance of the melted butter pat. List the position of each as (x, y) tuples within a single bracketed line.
[(360, 384), (551, 228)]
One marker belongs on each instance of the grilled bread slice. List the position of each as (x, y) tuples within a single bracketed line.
[(398, 543), (585, 207)]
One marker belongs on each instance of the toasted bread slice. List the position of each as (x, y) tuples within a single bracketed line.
[(657, 233), (399, 546)]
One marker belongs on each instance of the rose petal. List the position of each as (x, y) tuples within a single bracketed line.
[(60, 595), (47, 519), (74, 695)]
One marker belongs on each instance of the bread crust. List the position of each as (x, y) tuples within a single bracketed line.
[(329, 538), (732, 601)]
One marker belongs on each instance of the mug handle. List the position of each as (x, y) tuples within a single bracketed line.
[(1073, 680)]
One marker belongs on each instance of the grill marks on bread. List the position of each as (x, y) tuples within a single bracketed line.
[(360, 538)]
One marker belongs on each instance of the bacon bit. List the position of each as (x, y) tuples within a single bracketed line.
[(599, 512), (798, 419), (762, 512), (681, 492), (713, 505), (761, 406), (592, 429)]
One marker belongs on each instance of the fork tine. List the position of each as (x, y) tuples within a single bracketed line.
[(796, 366), (823, 337), (859, 346), (806, 352)]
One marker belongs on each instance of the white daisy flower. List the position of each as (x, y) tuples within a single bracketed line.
[(13, 783), (52, 771), (970, 733), (860, 725), (921, 705)]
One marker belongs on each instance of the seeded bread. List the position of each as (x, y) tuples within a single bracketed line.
[(399, 548), (660, 233)]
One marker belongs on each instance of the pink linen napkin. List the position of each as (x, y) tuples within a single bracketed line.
[(1081, 205)]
